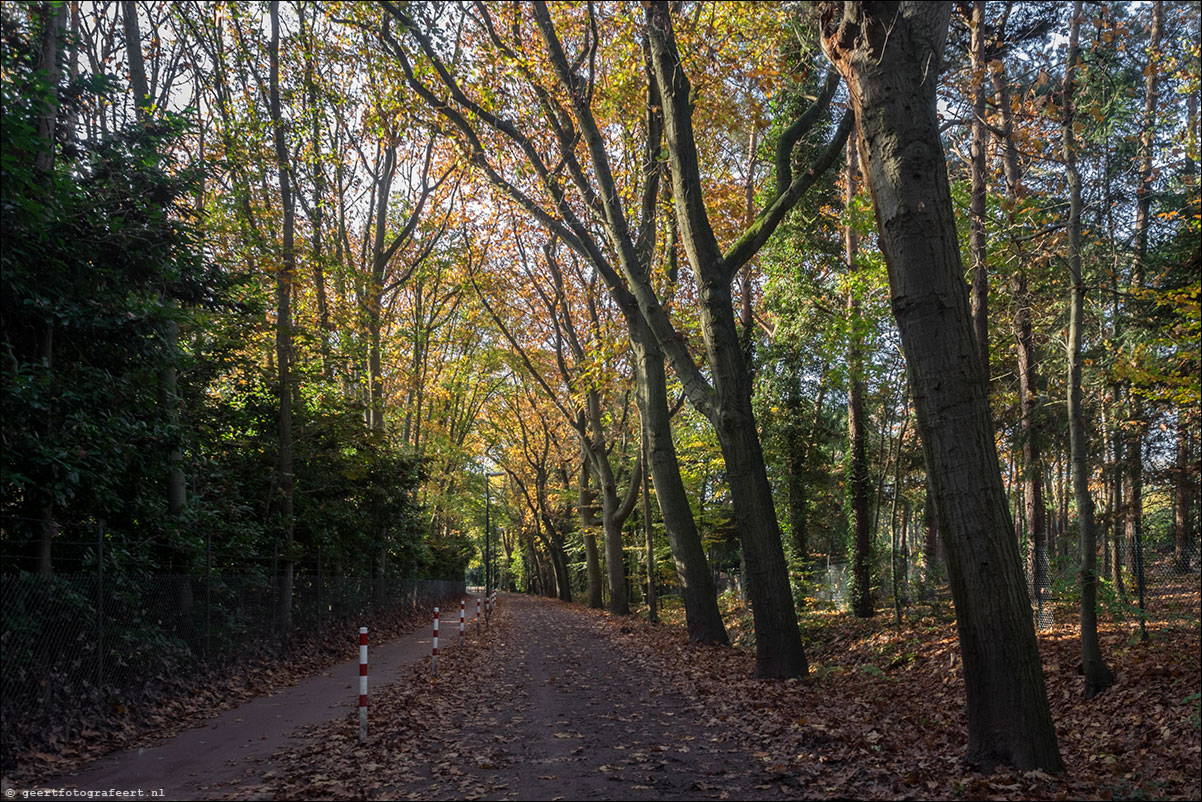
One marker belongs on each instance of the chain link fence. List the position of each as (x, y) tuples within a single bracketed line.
[(1152, 584), (77, 648)]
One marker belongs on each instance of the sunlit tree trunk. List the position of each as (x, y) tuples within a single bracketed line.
[(779, 652), (889, 53)]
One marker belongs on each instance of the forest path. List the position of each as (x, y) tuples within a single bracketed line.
[(224, 749), (545, 705)]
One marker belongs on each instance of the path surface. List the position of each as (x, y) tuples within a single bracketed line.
[(545, 706), (576, 718), (224, 748)]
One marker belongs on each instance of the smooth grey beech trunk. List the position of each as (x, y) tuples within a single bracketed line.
[(889, 53)]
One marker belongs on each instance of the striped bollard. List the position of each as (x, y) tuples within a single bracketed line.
[(362, 685), (434, 657), (477, 615), (462, 608)]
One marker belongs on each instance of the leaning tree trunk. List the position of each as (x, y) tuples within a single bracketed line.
[(702, 616), (779, 651), (889, 53)]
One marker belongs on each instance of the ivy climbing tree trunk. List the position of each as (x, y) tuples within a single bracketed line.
[(890, 53)]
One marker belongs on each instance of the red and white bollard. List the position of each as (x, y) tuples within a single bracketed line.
[(434, 656), (477, 615), (462, 608), (362, 685)]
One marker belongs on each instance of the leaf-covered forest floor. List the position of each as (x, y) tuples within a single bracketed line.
[(556, 701)]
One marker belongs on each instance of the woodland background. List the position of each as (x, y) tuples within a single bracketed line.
[(274, 327)]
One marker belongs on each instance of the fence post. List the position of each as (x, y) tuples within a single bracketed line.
[(100, 606), (208, 593), (362, 685), (434, 656), (275, 590)]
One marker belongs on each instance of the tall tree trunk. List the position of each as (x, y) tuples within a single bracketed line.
[(1133, 481), (559, 564), (1182, 485), (779, 651), (285, 275), (889, 54), (589, 524), (53, 17), (930, 543), (797, 452), (1030, 432), (614, 511), (979, 179), (1028, 388), (317, 213), (896, 560), (375, 310), (1115, 477), (857, 464), (133, 56), (168, 396), (702, 616), (1097, 674), (652, 612)]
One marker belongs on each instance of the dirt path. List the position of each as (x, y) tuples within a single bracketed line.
[(545, 706), (224, 749)]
